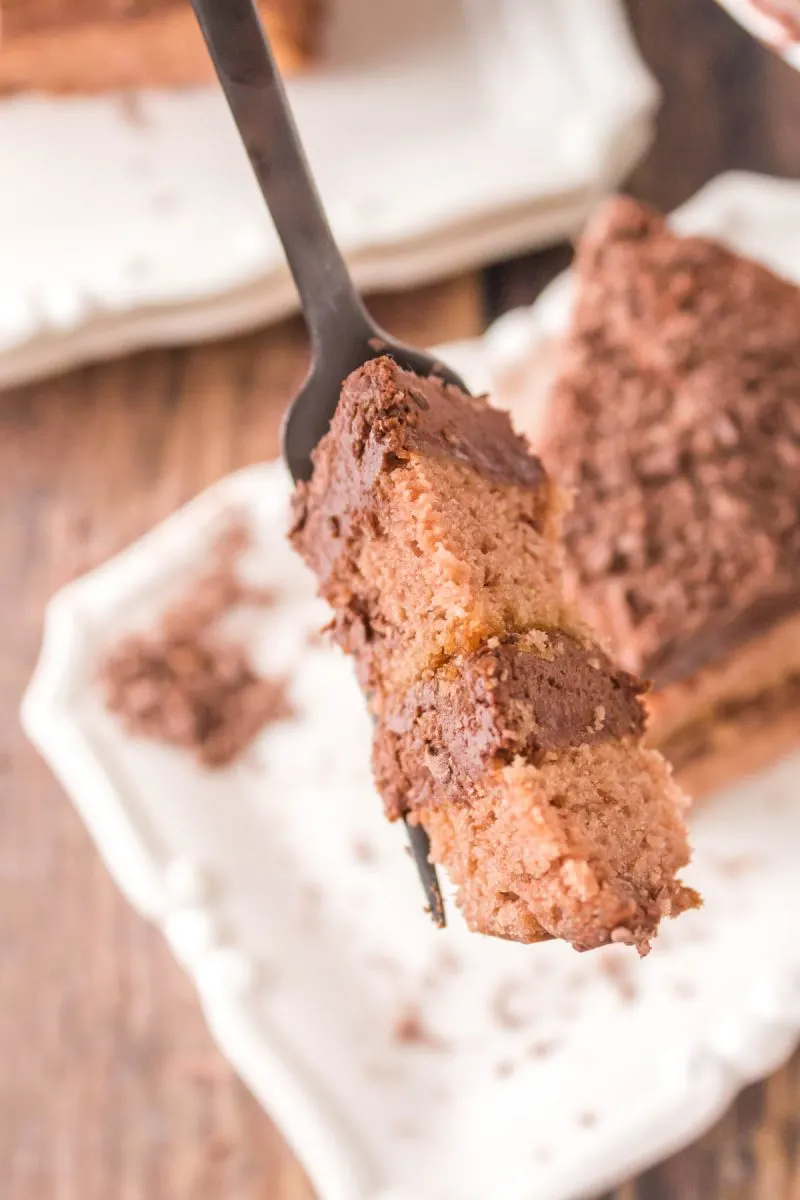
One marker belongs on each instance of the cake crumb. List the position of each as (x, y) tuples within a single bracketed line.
[(219, 1146), (411, 1030), (187, 684)]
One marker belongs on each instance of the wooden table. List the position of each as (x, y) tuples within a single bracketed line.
[(110, 1086)]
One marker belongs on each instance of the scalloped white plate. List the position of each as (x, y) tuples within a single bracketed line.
[(279, 886), (442, 135), (778, 35)]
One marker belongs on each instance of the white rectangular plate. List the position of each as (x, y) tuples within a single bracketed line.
[(287, 897)]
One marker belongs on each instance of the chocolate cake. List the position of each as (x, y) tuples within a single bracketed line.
[(675, 417), (101, 45), (499, 723)]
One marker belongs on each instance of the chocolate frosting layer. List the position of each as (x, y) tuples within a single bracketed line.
[(385, 415), (676, 420), (525, 696)]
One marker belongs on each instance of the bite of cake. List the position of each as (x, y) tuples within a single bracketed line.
[(500, 724)]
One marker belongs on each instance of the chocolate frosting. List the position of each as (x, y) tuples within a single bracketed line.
[(525, 696), (435, 420), (385, 415), (676, 419)]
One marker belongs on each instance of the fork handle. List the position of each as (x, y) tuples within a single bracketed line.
[(257, 99)]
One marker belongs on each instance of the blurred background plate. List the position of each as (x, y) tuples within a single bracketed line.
[(774, 22), (443, 135)]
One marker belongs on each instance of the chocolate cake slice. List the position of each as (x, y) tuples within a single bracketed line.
[(675, 417), (500, 724), (104, 45)]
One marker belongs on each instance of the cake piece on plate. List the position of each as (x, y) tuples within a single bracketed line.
[(501, 726), (675, 417), (103, 45)]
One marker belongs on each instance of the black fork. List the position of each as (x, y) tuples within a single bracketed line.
[(343, 335)]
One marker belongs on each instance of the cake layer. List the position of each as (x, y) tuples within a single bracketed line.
[(583, 848), (430, 526), (106, 45), (528, 695), (735, 716), (500, 725), (676, 418), (740, 740), (524, 763), (758, 666)]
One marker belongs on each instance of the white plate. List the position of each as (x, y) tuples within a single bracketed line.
[(286, 896), (755, 213), (443, 135), (778, 35)]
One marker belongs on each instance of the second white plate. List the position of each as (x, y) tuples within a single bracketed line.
[(442, 135)]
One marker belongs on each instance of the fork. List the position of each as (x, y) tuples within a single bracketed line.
[(343, 335)]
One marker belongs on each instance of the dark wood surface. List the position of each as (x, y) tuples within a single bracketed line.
[(109, 1084)]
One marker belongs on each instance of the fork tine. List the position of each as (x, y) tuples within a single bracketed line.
[(420, 850)]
